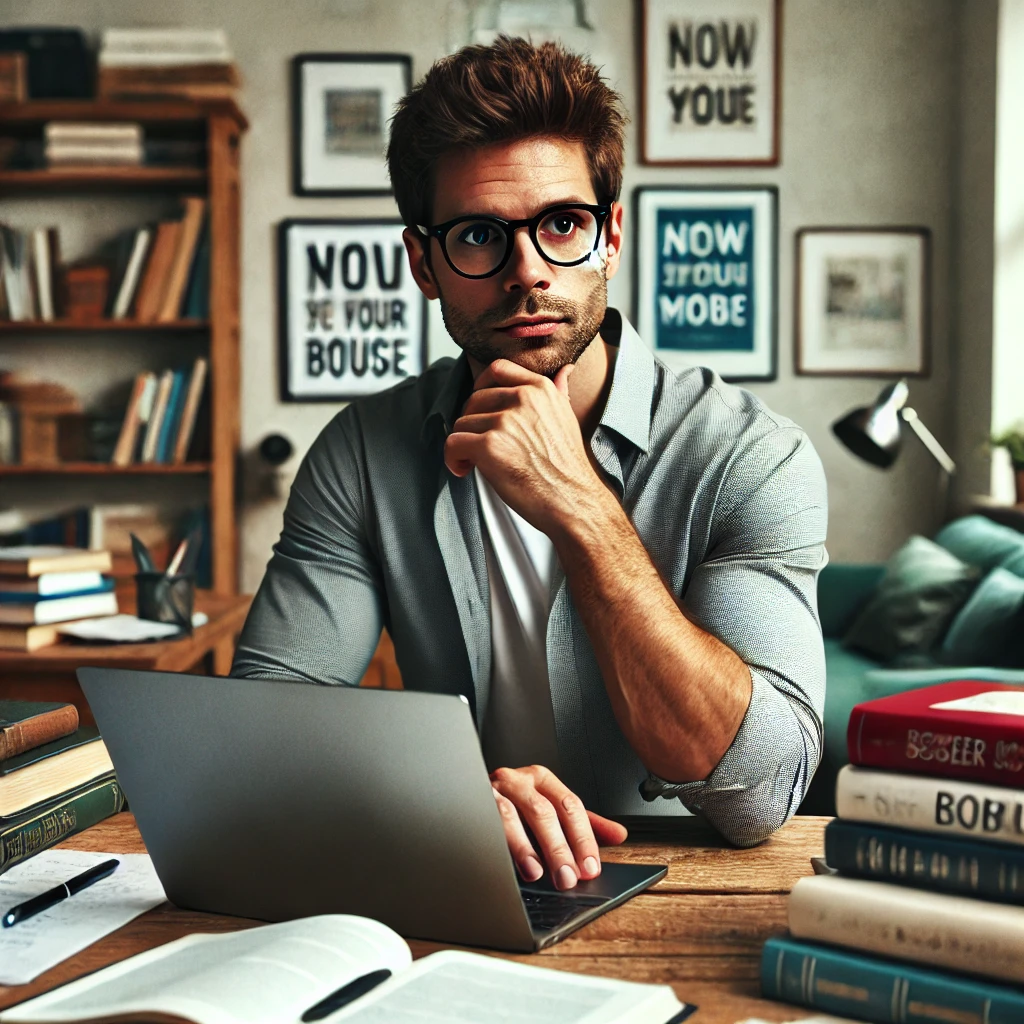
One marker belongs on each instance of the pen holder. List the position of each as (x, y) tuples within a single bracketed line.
[(170, 599)]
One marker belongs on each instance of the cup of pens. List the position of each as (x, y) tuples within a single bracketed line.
[(167, 596)]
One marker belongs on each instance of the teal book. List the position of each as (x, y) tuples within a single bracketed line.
[(196, 304), (851, 984), (172, 418), (951, 864)]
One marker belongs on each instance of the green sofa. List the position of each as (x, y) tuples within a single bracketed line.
[(852, 677)]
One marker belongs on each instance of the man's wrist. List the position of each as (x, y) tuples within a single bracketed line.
[(594, 522)]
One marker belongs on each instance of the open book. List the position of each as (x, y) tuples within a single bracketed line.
[(339, 968)]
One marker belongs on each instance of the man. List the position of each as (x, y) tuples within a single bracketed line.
[(616, 565)]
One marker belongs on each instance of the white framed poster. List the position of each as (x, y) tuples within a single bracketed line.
[(342, 105), (706, 278), (862, 301), (710, 82), (351, 319)]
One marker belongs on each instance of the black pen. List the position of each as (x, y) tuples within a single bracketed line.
[(53, 896)]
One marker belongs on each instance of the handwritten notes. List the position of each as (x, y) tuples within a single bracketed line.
[(34, 946)]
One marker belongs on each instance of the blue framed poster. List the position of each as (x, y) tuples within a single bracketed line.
[(706, 278)]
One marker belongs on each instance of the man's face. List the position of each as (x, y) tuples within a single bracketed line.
[(537, 314)]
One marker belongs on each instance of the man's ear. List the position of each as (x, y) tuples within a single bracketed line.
[(422, 273), (613, 233)]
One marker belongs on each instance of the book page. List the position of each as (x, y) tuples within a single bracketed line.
[(467, 988), (265, 975)]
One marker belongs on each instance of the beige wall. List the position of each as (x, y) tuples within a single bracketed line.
[(872, 106)]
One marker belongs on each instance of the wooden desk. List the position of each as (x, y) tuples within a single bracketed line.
[(49, 673), (700, 929)]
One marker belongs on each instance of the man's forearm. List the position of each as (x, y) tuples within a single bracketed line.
[(678, 693)]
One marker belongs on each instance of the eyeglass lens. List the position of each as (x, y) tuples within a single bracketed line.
[(478, 246)]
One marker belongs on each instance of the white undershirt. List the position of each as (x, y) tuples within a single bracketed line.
[(519, 727)]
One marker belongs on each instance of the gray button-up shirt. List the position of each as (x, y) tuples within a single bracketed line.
[(727, 498)]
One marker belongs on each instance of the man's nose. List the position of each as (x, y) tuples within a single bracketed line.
[(526, 268)]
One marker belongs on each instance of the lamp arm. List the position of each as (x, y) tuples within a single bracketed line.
[(927, 438)]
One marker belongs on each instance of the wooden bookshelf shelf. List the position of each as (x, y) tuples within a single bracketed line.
[(98, 326), (145, 111), (107, 469), (104, 179)]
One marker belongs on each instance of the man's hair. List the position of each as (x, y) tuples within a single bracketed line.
[(504, 92)]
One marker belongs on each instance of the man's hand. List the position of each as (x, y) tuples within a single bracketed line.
[(566, 832), (520, 431)]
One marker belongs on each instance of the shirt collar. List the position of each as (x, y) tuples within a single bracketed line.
[(627, 411)]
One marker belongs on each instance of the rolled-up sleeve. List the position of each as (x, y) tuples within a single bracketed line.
[(318, 613), (756, 591)]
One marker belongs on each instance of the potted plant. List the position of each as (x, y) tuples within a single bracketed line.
[(1013, 441)]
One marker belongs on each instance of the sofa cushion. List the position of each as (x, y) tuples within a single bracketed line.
[(989, 629), (979, 541), (905, 619)]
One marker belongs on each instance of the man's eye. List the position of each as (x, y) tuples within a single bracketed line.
[(561, 225), (477, 234)]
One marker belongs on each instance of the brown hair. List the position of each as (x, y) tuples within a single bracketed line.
[(500, 93)]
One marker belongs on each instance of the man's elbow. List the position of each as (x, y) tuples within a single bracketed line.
[(751, 826)]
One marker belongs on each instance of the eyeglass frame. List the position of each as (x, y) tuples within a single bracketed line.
[(600, 211)]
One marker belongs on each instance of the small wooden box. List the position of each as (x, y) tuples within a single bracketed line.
[(85, 291), (13, 78)]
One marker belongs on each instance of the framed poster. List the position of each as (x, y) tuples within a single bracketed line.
[(863, 301), (352, 320), (710, 82), (341, 108), (706, 278)]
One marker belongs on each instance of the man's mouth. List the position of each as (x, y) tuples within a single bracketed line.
[(530, 326)]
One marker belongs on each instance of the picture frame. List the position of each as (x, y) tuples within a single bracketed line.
[(341, 110), (706, 278), (351, 319), (710, 88), (863, 301)]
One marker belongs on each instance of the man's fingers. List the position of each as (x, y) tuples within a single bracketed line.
[(476, 423), (519, 845), (606, 831), (561, 379), (505, 373), (462, 451), (491, 400), (575, 822)]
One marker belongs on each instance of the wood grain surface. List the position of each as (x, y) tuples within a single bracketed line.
[(700, 930)]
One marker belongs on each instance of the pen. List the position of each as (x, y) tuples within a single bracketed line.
[(53, 896)]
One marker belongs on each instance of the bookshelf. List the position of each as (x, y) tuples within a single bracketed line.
[(220, 124)]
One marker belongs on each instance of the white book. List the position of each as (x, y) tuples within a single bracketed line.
[(13, 253), (43, 272), (163, 39), (163, 59), (277, 973), (156, 417), (74, 153), (49, 584), (956, 932), (88, 131), (931, 804), (58, 609), (132, 273)]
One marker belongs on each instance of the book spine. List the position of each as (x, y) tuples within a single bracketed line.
[(921, 744), (948, 806), (966, 935), (852, 985), (964, 867), (55, 822), (33, 732)]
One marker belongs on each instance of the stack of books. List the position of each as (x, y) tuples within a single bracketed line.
[(158, 273), (160, 420), (87, 144), (166, 62), (56, 778), (42, 587), (928, 855)]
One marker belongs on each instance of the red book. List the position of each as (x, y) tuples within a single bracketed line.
[(966, 729)]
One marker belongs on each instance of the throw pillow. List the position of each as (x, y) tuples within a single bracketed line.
[(989, 630), (979, 541), (905, 619)]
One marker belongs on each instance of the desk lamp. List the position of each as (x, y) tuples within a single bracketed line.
[(874, 432)]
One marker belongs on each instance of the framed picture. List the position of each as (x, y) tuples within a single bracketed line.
[(706, 278), (710, 82), (341, 107), (863, 301), (352, 320)]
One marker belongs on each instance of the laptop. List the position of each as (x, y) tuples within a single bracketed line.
[(275, 800)]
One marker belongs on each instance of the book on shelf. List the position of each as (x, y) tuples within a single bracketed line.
[(93, 131), (182, 260), (954, 932), (27, 639), (304, 970), (129, 277), (45, 611), (965, 867), (150, 295), (28, 561), (863, 987), (931, 804), (140, 405), (156, 418), (47, 771), (190, 410), (121, 47), (26, 724), (967, 729), (44, 825), (45, 261), (171, 419), (52, 584), (196, 304), (16, 274)]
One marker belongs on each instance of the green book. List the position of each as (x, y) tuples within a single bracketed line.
[(44, 825)]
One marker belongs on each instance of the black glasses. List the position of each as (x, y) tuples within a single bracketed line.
[(480, 246)]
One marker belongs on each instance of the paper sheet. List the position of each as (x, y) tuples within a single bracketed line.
[(31, 947), (125, 628)]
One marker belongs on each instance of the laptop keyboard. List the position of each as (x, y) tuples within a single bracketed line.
[(550, 910)]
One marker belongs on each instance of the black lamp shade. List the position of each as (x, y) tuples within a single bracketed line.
[(873, 431)]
